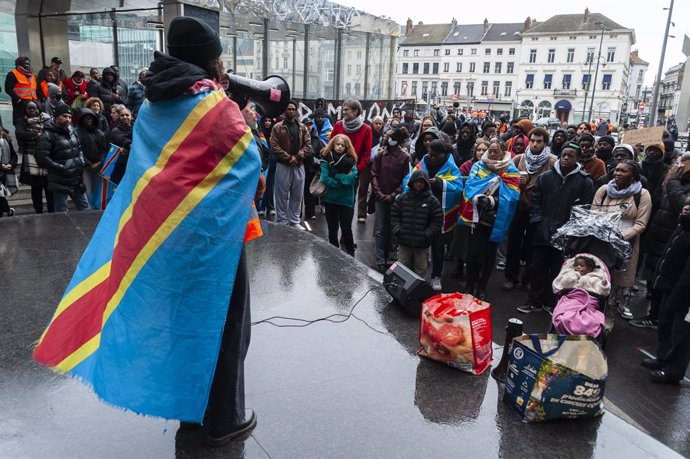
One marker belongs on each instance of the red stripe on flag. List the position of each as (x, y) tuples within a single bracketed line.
[(186, 168)]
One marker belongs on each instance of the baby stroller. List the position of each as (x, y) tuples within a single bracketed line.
[(590, 237)]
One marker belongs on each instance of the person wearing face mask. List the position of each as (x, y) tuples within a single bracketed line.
[(553, 196), (672, 280), (59, 151), (446, 185), (54, 99), (535, 162), (28, 130), (121, 135), (595, 167), (625, 193), (21, 85), (489, 201), (604, 150)]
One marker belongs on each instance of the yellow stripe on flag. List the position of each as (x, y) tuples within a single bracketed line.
[(167, 227)]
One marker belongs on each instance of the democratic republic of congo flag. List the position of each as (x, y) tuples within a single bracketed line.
[(481, 179), (141, 320), (452, 189)]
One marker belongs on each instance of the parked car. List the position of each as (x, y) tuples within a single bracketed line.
[(549, 123)]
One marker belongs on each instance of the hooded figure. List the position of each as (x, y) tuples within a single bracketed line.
[(416, 218), (53, 100), (421, 144), (559, 138)]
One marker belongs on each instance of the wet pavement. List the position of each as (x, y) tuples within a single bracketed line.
[(328, 390)]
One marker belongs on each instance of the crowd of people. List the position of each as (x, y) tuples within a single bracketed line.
[(442, 189), (64, 126)]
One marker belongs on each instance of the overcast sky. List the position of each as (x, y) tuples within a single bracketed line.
[(647, 18)]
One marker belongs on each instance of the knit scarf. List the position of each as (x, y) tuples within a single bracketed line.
[(614, 193), (535, 162), (353, 126), (499, 165)]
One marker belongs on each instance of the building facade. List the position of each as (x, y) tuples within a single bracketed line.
[(669, 92), (572, 67)]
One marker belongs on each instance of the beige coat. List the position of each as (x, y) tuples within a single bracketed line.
[(636, 218)]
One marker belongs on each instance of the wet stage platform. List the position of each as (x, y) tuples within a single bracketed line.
[(348, 390)]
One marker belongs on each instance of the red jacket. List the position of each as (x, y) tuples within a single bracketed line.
[(361, 140), (72, 87)]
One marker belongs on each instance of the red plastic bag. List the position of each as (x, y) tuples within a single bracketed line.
[(455, 329)]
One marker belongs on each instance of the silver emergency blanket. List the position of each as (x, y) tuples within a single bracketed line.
[(585, 222)]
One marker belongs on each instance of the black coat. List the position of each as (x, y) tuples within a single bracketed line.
[(104, 91), (665, 220), (672, 275), (93, 142), (553, 196), (416, 218), (655, 173), (59, 150), (121, 136)]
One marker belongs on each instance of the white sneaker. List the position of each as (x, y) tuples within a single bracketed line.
[(272, 213), (436, 284), (297, 226), (262, 213)]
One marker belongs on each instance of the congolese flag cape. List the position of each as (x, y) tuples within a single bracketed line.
[(478, 182), (452, 189), (142, 318)]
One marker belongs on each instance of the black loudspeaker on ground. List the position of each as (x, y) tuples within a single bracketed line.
[(407, 288)]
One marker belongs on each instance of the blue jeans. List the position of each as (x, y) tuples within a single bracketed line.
[(60, 201), (382, 234)]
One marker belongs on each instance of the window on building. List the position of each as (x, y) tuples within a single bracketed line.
[(414, 88), (529, 81), (425, 89), (496, 89), (460, 52), (416, 52), (511, 51), (359, 54), (285, 63), (446, 66), (359, 69), (358, 86), (456, 88), (473, 51), (585, 81), (640, 76), (349, 69), (437, 52), (470, 88), (277, 62), (485, 88), (426, 68), (434, 87), (447, 52), (551, 56), (406, 52), (606, 82), (508, 89), (610, 54), (487, 52), (434, 68), (415, 68), (553, 38), (571, 55), (497, 67), (566, 80), (487, 67), (499, 51), (547, 80), (532, 56), (471, 67), (349, 54), (510, 67), (444, 88), (458, 67), (590, 55), (403, 88), (405, 68)]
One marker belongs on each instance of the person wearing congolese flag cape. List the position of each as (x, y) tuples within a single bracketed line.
[(446, 185), (156, 317), (491, 194)]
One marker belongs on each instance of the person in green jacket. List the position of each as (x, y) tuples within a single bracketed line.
[(338, 173)]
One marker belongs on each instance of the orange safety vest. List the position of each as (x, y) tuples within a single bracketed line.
[(25, 88), (44, 88)]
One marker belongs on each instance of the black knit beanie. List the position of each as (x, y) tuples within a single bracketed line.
[(193, 41), (61, 109)]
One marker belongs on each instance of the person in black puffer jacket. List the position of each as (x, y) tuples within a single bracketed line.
[(416, 220), (93, 145), (661, 226), (672, 279), (59, 151), (108, 90), (121, 135)]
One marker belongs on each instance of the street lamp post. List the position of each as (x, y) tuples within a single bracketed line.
[(596, 71), (655, 99), (589, 83)]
